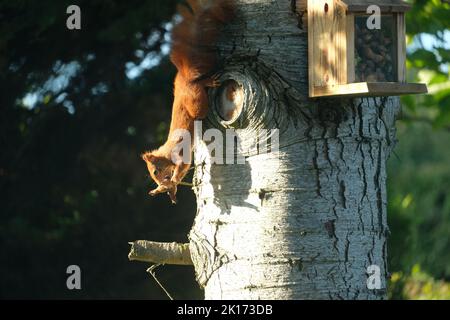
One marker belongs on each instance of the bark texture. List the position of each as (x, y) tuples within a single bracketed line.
[(307, 221)]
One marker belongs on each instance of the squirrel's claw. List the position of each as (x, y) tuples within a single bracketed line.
[(215, 83)]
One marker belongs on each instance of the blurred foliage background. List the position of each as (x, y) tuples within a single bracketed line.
[(78, 107)]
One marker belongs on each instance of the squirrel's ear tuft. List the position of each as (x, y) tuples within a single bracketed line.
[(148, 157)]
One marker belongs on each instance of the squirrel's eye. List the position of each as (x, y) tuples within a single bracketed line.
[(155, 172)]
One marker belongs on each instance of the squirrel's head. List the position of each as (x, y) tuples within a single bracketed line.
[(160, 168)]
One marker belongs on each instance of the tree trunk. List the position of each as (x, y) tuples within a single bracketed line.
[(306, 222)]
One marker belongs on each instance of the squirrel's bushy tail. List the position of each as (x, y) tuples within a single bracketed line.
[(193, 39)]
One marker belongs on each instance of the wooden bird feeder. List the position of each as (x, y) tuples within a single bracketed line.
[(348, 56)]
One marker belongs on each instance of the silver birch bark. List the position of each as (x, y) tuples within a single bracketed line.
[(306, 222)]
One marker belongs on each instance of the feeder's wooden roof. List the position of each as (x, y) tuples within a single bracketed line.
[(385, 5)]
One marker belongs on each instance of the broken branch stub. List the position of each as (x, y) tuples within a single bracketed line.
[(160, 252)]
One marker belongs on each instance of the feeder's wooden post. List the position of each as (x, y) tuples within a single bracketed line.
[(350, 25)]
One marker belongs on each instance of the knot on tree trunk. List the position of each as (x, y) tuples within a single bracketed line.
[(257, 95)]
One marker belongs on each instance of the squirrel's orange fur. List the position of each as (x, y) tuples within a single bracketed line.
[(193, 54)]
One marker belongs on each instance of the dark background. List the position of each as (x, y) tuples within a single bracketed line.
[(78, 107)]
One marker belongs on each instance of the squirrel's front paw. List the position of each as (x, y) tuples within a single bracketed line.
[(158, 190)]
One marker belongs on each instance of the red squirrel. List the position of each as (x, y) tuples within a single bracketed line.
[(192, 54)]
